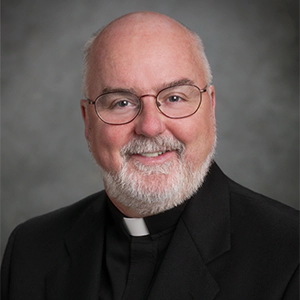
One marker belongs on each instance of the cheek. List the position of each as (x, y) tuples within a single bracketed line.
[(106, 142), (198, 135)]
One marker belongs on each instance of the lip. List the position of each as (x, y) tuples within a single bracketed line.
[(152, 158)]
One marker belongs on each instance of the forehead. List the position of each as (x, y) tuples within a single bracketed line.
[(144, 56)]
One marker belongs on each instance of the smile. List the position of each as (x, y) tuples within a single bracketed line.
[(152, 154)]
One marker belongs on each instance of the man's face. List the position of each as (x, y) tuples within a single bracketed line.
[(145, 64)]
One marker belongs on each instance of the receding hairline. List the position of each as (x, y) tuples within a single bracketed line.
[(136, 18)]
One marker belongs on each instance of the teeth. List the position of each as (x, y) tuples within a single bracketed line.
[(152, 154)]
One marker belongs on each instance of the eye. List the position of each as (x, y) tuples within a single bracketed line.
[(122, 103), (174, 99)]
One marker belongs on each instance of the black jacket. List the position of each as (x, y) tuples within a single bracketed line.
[(230, 243)]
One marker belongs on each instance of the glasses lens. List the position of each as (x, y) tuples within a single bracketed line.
[(179, 101), (117, 108)]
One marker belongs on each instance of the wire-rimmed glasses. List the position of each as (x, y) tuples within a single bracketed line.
[(175, 102)]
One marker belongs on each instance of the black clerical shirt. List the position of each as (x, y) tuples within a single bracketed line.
[(130, 263)]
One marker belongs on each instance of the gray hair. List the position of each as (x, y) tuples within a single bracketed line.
[(206, 66), (86, 61), (87, 53)]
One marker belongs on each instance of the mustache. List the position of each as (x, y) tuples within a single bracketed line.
[(161, 143)]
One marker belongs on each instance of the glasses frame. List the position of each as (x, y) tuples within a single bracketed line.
[(201, 91)]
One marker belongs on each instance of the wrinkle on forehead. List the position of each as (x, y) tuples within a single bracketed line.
[(158, 88)]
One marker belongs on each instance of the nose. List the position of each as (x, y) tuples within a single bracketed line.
[(150, 121)]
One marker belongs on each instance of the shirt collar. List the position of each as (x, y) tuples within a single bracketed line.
[(155, 224)]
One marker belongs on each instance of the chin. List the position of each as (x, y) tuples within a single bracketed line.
[(151, 190)]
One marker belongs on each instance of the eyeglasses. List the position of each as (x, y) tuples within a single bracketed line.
[(176, 102)]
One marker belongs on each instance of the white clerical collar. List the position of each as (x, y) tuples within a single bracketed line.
[(136, 226)]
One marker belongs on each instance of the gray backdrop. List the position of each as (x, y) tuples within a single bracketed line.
[(253, 50)]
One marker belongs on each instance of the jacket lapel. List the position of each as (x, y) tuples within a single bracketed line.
[(78, 277), (201, 236)]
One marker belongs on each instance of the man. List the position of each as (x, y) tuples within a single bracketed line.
[(170, 224)]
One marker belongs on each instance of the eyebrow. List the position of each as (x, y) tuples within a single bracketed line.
[(161, 87), (178, 82), (117, 90)]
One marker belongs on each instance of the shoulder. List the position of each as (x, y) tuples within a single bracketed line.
[(247, 240), (67, 216), (263, 226), (56, 224), (39, 245), (256, 207)]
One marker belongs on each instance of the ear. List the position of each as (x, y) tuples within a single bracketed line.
[(212, 96), (84, 113)]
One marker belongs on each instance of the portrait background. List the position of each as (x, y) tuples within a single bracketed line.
[(253, 50)]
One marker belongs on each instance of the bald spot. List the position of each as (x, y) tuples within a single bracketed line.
[(140, 31)]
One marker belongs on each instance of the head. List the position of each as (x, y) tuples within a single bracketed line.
[(152, 163)]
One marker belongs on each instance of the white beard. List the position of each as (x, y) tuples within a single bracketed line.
[(149, 190)]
